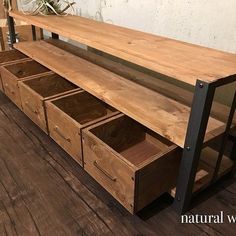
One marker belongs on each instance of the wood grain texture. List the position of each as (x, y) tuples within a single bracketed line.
[(10, 87), (69, 114), (3, 13), (19, 70), (163, 115), (45, 189), (39, 191), (153, 82), (109, 171), (134, 169), (1, 85), (179, 60), (160, 175), (34, 92), (206, 169), (26, 69), (9, 57)]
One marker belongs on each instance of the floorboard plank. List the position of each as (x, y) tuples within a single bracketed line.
[(44, 192)]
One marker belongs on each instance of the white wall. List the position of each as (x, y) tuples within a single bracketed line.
[(211, 23)]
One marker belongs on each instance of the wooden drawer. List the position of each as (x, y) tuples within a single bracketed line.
[(13, 73), (35, 92), (9, 57), (131, 162), (69, 114)]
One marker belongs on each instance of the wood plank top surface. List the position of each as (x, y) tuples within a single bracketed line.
[(157, 112), (179, 60)]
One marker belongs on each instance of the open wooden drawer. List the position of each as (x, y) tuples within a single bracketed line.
[(35, 92), (69, 114), (12, 74), (9, 57), (130, 161)]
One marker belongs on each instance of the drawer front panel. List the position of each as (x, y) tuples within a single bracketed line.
[(1, 86), (33, 106), (12, 91), (65, 131), (109, 170), (158, 177)]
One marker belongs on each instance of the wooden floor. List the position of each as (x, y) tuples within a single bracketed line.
[(43, 192)]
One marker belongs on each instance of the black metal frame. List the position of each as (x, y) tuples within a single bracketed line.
[(199, 116), (12, 33), (194, 142), (55, 36), (33, 32), (201, 107)]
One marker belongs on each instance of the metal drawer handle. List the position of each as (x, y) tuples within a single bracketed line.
[(31, 109), (57, 130), (104, 172)]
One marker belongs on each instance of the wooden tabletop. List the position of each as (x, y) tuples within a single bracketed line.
[(179, 60)]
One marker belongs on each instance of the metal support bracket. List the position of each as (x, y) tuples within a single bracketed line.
[(200, 112), (33, 32), (12, 33), (55, 36)]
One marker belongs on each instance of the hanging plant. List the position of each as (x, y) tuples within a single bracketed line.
[(48, 7)]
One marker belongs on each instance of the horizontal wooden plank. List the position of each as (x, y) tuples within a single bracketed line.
[(206, 169), (182, 61), (184, 96), (159, 113)]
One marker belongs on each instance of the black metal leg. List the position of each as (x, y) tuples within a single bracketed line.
[(33, 32), (11, 28), (201, 107), (233, 152), (233, 158), (55, 36)]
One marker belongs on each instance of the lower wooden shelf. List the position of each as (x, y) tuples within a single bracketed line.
[(159, 113), (206, 169)]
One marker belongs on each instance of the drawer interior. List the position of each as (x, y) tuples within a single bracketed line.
[(83, 107), (27, 68), (133, 141), (12, 55), (50, 85)]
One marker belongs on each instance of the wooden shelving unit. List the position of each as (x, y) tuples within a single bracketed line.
[(167, 117), (183, 119), (179, 60)]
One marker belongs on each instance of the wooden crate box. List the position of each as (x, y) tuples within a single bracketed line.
[(9, 57), (12, 74), (69, 114), (35, 92), (131, 162)]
